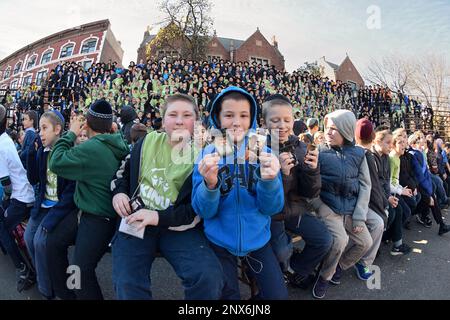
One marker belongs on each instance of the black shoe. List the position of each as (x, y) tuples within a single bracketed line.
[(25, 278), (299, 281), (428, 222), (425, 221), (443, 229), (401, 250), (336, 280)]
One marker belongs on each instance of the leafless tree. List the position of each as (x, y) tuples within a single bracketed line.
[(431, 80), (392, 71)]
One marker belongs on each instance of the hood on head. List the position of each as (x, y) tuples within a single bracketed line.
[(216, 105), (345, 122)]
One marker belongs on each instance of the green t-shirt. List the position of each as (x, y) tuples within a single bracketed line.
[(163, 171), (51, 185), (394, 162)]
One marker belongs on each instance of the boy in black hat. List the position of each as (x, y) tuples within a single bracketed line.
[(91, 165)]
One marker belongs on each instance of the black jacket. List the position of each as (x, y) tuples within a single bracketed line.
[(37, 173), (126, 181), (378, 201), (407, 176), (384, 172), (303, 183)]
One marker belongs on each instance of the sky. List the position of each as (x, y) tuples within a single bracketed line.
[(305, 29)]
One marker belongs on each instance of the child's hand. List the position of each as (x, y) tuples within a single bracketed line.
[(312, 159), (287, 163), (270, 166), (146, 217), (121, 203), (77, 125), (209, 169)]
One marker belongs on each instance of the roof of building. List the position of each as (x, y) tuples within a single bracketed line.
[(333, 65), (56, 35), (226, 42)]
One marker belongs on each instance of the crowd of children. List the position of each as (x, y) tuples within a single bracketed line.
[(208, 193)]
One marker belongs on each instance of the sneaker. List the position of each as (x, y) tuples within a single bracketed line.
[(362, 272), (443, 229), (25, 278), (428, 222), (298, 281), (320, 288), (336, 280), (425, 221), (401, 250)]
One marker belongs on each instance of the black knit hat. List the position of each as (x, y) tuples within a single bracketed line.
[(100, 116)]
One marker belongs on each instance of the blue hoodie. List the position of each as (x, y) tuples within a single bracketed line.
[(237, 215)]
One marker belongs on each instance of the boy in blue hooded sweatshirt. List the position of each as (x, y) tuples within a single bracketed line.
[(236, 197)]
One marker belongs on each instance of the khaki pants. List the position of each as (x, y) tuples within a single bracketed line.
[(340, 228), (375, 224)]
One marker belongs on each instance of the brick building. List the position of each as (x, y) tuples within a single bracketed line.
[(89, 44), (255, 49), (345, 72)]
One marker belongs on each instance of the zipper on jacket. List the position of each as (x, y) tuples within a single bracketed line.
[(236, 172)]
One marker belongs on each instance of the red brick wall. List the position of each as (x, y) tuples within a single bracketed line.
[(347, 71), (215, 48), (42, 47), (266, 51), (108, 53)]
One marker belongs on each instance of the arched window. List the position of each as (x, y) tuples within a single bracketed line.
[(7, 73), (31, 61), (89, 46), (67, 50), (47, 56), (17, 67), (14, 84)]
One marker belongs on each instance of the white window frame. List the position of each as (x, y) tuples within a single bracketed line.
[(5, 86), (86, 60), (66, 45), (259, 60), (212, 57), (14, 84), (35, 61), (21, 66), (91, 37), (45, 52), (7, 73), (28, 75), (40, 71), (353, 84)]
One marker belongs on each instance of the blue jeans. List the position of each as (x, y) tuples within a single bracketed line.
[(263, 266), (9, 219), (318, 242), (438, 184), (188, 252), (41, 262), (281, 244), (409, 206), (31, 229)]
